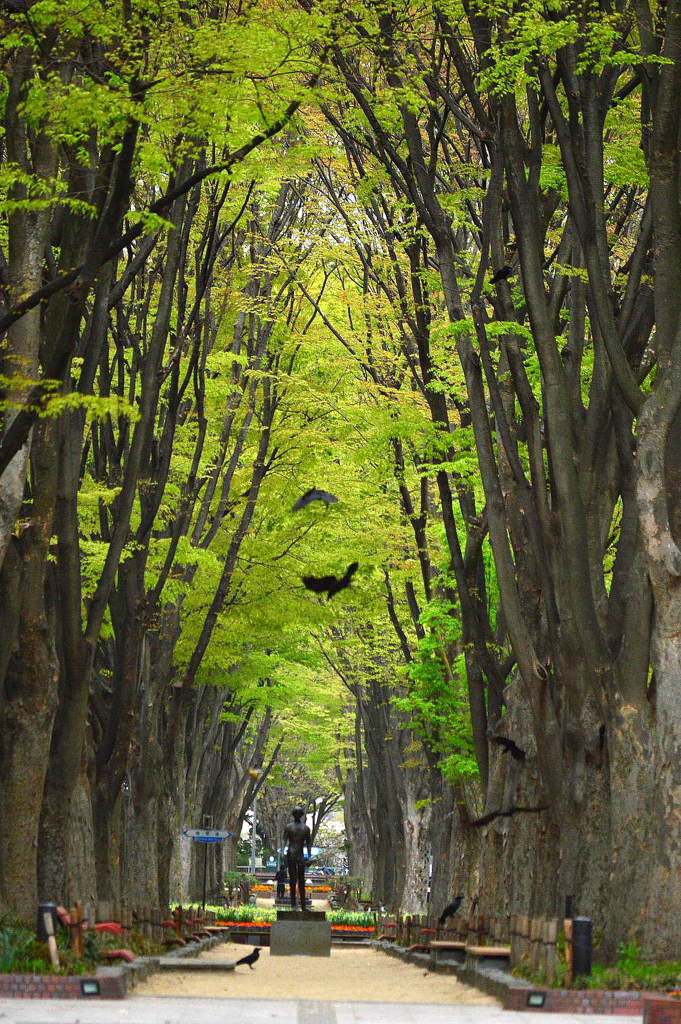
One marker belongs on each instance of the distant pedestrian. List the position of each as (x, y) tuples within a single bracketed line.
[(280, 878)]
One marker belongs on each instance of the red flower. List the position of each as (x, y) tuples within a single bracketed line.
[(245, 924)]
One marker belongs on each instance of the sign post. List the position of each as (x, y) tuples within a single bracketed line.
[(253, 832), (206, 835)]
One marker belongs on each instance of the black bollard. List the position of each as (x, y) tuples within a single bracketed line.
[(51, 909), (581, 945)]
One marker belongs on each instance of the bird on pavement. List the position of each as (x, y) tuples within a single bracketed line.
[(250, 959), (450, 909)]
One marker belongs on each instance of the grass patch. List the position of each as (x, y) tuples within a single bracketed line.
[(632, 971)]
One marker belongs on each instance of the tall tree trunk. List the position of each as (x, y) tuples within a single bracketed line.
[(29, 695), (81, 874), (417, 811), (28, 231), (108, 819), (357, 833)]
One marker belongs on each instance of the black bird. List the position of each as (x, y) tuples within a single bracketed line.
[(516, 752), (250, 959), (331, 584), (502, 274), (314, 494), (450, 909), (505, 813)]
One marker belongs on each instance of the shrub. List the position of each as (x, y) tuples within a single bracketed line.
[(631, 971), (634, 971), (20, 951)]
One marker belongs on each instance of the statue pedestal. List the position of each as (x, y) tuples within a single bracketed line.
[(300, 933)]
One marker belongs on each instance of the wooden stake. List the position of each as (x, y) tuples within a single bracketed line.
[(48, 924), (77, 932), (567, 927)]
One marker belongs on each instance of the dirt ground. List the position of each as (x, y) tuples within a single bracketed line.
[(356, 974)]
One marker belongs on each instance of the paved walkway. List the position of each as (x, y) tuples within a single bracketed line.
[(149, 1010)]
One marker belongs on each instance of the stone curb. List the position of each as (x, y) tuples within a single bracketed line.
[(512, 992)]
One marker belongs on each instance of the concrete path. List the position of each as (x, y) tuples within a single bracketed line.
[(150, 1010)]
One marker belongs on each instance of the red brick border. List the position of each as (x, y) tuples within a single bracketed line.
[(661, 1009), (566, 1000), (114, 982), (112, 985)]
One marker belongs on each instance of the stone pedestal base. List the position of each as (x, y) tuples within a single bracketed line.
[(296, 935)]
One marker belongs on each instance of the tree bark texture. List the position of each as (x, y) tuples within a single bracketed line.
[(558, 463)]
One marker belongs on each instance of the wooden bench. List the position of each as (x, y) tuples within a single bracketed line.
[(118, 954), (384, 936), (423, 946), (191, 963), (440, 946), (493, 956)]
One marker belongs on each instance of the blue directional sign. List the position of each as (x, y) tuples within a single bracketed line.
[(207, 835)]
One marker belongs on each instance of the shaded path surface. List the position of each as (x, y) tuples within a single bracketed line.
[(187, 1010), (361, 974)]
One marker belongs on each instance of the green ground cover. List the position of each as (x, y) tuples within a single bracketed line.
[(632, 971), (21, 952)]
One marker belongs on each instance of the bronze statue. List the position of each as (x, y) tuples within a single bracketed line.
[(297, 836)]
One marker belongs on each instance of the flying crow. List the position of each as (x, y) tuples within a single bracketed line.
[(505, 813), (502, 274), (331, 584), (314, 494), (514, 750)]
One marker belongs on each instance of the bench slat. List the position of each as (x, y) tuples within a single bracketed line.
[(489, 950)]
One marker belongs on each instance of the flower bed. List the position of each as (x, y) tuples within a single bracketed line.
[(260, 931), (250, 925), (249, 914), (308, 888), (244, 924), (360, 929)]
